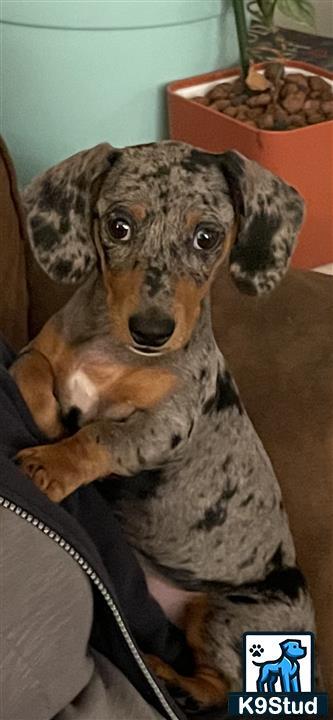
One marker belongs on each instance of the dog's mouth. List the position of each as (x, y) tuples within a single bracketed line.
[(146, 351)]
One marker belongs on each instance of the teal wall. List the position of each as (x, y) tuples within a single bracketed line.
[(78, 72)]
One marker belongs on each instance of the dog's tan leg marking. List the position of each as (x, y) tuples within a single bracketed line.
[(207, 686), (61, 468), (33, 374), (36, 374)]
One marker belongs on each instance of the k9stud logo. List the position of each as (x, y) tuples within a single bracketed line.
[(278, 663), (278, 677)]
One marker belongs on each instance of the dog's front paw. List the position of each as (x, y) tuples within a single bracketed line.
[(206, 688), (159, 667), (46, 468)]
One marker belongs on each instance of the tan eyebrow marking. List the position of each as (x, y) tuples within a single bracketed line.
[(192, 219), (138, 211)]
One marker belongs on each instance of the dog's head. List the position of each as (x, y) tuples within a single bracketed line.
[(293, 649), (158, 220)]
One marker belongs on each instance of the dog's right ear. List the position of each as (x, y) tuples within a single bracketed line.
[(59, 206)]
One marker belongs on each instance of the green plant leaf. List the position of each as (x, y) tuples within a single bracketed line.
[(300, 10), (263, 10), (256, 16), (265, 6)]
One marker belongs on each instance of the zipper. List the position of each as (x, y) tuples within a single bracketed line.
[(84, 565)]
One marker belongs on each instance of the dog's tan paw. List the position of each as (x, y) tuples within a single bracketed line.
[(160, 668), (49, 423), (207, 686), (45, 468)]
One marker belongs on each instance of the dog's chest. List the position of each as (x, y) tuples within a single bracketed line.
[(82, 392), (93, 387), (90, 390), (104, 387)]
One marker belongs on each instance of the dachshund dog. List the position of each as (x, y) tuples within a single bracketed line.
[(132, 359)]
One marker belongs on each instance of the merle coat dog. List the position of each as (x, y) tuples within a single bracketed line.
[(132, 355)]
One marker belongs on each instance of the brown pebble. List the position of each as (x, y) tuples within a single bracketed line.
[(297, 120), (315, 118), (327, 107), (243, 108), (258, 100), (311, 105), (314, 94), (294, 103), (298, 79), (220, 105), (201, 100), (251, 123), (326, 95), (227, 86), (242, 112), (280, 119), (288, 89), (239, 99), (254, 113), (266, 122), (231, 111), (218, 92), (318, 84)]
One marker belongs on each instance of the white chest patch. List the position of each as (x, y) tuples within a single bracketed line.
[(82, 393)]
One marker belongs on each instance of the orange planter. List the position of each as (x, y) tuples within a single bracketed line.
[(303, 157)]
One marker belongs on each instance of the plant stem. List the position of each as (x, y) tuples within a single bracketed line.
[(238, 6)]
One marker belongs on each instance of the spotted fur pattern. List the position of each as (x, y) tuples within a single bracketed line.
[(62, 202), (211, 517), (269, 212), (58, 206)]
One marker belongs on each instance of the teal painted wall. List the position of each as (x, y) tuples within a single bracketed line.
[(78, 72)]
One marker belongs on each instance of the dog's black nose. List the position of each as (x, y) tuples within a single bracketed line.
[(153, 331)]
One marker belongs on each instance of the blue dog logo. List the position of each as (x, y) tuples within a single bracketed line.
[(284, 686), (286, 668)]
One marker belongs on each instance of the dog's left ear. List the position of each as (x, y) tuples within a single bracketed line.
[(269, 214)]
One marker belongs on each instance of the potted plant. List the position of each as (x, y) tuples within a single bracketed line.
[(279, 114)]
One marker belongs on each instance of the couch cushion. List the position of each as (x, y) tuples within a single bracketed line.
[(45, 296), (13, 288), (280, 350)]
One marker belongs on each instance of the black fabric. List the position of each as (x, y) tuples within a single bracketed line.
[(150, 627), (86, 522)]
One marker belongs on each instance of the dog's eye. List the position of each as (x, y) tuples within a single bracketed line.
[(205, 238), (120, 228)]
